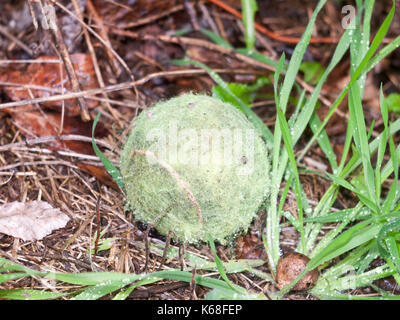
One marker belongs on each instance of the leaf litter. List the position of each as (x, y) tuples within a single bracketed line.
[(30, 221)]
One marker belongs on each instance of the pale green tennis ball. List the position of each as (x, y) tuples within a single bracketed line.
[(195, 165)]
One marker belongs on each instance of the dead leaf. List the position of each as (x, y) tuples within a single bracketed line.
[(99, 172), (35, 124), (48, 75), (249, 246), (30, 221)]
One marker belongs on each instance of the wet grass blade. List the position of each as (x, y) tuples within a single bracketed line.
[(111, 169), (26, 294), (362, 69), (216, 38), (249, 9), (297, 58), (220, 265)]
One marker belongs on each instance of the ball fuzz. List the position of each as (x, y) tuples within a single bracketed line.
[(196, 166)]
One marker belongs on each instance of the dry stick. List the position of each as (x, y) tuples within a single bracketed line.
[(208, 18), (146, 236), (194, 42), (193, 295), (121, 61), (114, 112), (38, 163), (96, 245), (116, 87), (31, 142), (63, 50), (103, 33), (151, 18), (33, 15), (167, 244), (214, 47), (55, 90), (181, 253), (79, 231), (14, 39), (23, 61), (192, 14)]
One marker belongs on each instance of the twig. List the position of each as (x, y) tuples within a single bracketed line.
[(37, 163), (63, 50), (103, 33), (94, 57), (146, 236), (32, 11), (181, 253), (214, 47), (96, 245), (208, 18), (14, 39), (74, 137), (116, 87), (151, 18), (167, 244), (278, 37), (121, 61), (192, 14), (193, 295)]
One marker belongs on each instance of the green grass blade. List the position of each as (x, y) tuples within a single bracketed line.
[(26, 294), (361, 139), (257, 56), (249, 9), (324, 143), (289, 149), (11, 276), (220, 265), (297, 58), (100, 290), (111, 169), (216, 38), (361, 69)]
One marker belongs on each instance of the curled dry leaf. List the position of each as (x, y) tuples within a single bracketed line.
[(30, 220), (48, 75), (289, 268), (99, 172)]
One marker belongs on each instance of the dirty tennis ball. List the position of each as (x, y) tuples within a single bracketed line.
[(196, 166), (289, 268)]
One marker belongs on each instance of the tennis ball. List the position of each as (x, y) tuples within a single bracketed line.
[(196, 166)]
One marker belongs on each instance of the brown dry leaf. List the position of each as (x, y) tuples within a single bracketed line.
[(30, 221), (35, 124), (99, 172), (48, 75), (249, 246)]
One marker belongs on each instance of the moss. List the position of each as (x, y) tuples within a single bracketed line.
[(195, 165)]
